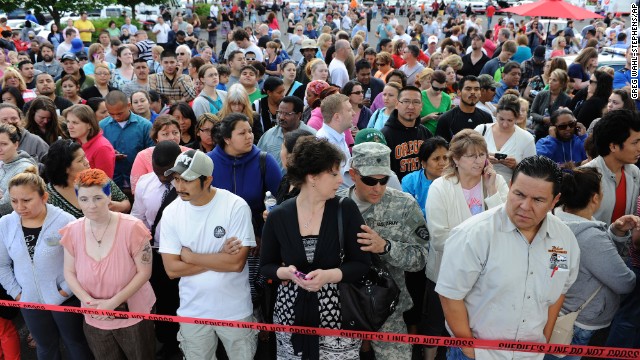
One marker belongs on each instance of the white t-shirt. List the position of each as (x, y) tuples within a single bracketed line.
[(338, 73), (163, 36), (405, 37), (204, 229), (520, 145)]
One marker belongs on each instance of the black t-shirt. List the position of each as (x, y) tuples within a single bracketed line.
[(469, 68), (454, 120), (31, 238)]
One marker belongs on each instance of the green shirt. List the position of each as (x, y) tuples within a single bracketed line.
[(428, 108), (256, 95)]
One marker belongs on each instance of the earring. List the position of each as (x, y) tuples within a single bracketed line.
[(313, 185)]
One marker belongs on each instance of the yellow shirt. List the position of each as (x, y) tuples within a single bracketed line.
[(85, 36)]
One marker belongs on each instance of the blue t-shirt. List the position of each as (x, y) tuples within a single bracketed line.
[(417, 185), (576, 71), (523, 53)]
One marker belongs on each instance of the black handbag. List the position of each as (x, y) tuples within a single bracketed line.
[(367, 303)]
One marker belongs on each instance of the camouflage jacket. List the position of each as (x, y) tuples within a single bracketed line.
[(398, 218)]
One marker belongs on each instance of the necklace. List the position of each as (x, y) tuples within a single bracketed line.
[(308, 222), (105, 231)]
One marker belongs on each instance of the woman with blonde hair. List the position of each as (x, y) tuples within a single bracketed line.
[(238, 102), (101, 86), (317, 69), (356, 41), (31, 268), (155, 67), (524, 51), (559, 44), (384, 61), (435, 60), (13, 78), (423, 79), (468, 186), (272, 58), (96, 56), (324, 42), (521, 121)]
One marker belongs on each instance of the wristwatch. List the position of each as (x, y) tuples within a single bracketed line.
[(387, 248)]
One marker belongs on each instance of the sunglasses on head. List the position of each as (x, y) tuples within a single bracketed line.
[(371, 181), (571, 125)]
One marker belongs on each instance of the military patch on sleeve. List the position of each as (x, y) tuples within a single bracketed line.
[(422, 232)]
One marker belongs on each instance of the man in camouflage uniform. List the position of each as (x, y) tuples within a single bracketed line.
[(396, 232)]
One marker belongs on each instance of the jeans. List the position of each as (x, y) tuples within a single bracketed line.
[(580, 337), (625, 327), (455, 353), (47, 327)]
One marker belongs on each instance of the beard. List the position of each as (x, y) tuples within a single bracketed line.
[(47, 58)]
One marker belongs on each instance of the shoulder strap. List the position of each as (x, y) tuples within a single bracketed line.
[(263, 170), (484, 130), (589, 299), (340, 230), (173, 194), (211, 102)]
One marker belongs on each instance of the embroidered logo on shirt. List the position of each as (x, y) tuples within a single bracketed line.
[(219, 232)]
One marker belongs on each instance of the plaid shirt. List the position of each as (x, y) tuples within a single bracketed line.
[(529, 70), (181, 87)]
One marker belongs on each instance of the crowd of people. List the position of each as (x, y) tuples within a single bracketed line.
[(496, 182)]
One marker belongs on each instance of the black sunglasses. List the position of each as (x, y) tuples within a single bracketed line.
[(572, 125), (371, 181), (435, 88)]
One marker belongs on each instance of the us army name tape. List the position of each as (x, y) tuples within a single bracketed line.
[(592, 351)]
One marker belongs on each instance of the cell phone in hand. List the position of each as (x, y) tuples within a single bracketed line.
[(301, 275), (500, 156)]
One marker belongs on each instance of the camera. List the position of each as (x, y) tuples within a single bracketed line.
[(500, 156)]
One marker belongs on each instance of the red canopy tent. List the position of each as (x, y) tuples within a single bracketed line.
[(553, 8)]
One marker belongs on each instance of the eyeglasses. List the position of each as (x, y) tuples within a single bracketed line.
[(571, 125), (356, 92), (284, 113), (475, 156), (411, 102), (371, 181), (181, 54), (435, 88)]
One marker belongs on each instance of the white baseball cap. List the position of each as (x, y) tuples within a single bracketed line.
[(433, 39)]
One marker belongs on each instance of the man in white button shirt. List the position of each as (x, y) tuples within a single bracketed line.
[(337, 114), (505, 271), (338, 74)]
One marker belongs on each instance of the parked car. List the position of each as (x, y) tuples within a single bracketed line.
[(477, 6)]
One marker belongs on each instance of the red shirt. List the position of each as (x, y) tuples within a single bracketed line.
[(397, 61), (100, 154), (423, 58), (621, 199), (491, 10)]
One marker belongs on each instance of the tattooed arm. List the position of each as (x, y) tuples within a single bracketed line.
[(143, 268)]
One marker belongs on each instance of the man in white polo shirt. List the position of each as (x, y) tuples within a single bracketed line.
[(214, 284), (508, 268)]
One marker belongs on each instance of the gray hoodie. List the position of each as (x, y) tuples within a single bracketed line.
[(11, 169), (600, 264)]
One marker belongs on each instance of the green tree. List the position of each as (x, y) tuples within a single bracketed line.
[(57, 8)]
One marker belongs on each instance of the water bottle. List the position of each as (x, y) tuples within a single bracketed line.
[(367, 95), (269, 201)]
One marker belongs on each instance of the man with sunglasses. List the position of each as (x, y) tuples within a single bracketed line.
[(395, 232), (565, 142)]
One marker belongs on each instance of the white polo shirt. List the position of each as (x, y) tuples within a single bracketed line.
[(338, 74), (507, 283)]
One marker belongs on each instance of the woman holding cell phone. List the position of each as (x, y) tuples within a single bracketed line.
[(468, 186), (300, 248)]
